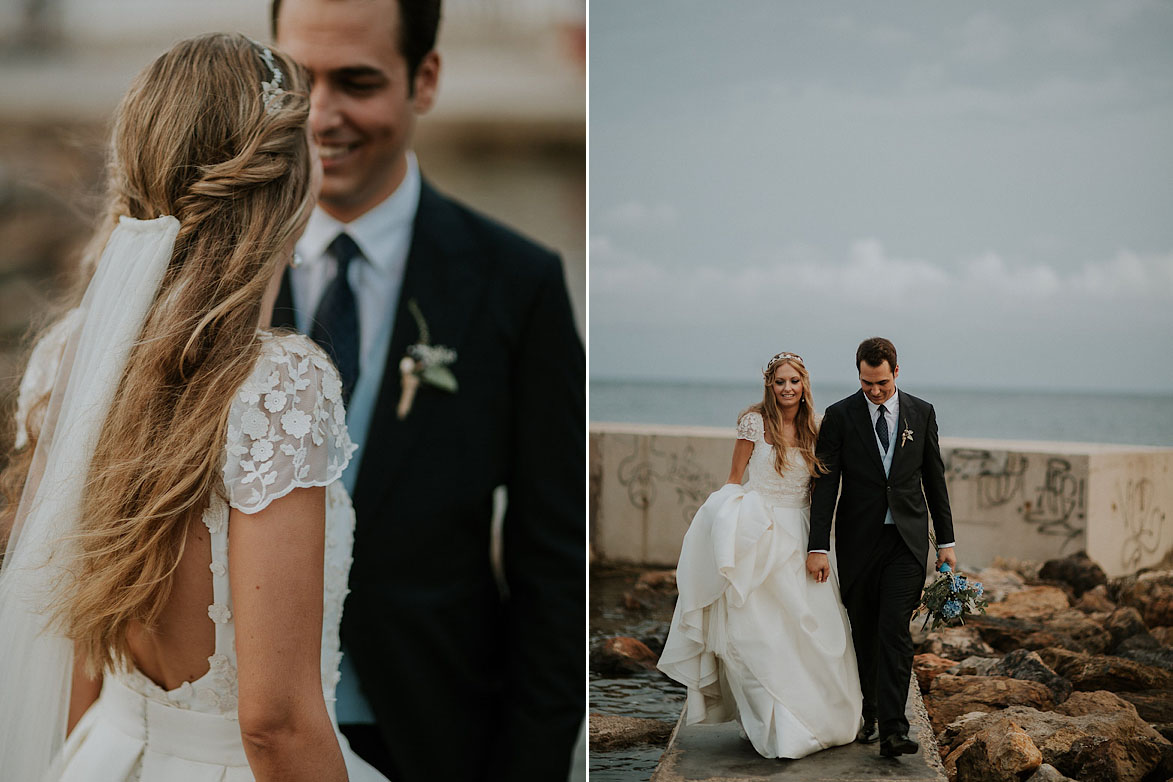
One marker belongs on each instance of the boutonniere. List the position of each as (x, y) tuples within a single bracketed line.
[(424, 363), (906, 435)]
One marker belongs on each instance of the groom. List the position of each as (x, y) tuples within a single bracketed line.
[(881, 444), (444, 679)]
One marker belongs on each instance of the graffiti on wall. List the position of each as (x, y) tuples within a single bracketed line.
[(998, 477), (1144, 520), (1056, 505), (645, 474)]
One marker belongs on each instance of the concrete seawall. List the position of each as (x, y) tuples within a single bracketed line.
[(1019, 499)]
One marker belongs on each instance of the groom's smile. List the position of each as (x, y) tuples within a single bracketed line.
[(364, 99)]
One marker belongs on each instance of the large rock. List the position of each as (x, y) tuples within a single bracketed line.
[(1002, 752), (975, 666), (956, 643), (998, 582), (1159, 657), (657, 579), (1087, 635), (1096, 601), (1109, 742), (1104, 672), (1151, 594), (1123, 623), (1005, 633), (1163, 634), (610, 732), (953, 696), (1081, 704), (1037, 602), (621, 654), (1077, 570), (927, 667), (1153, 706), (1028, 666), (1048, 773)]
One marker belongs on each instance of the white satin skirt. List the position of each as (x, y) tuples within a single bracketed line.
[(753, 637), (125, 736)]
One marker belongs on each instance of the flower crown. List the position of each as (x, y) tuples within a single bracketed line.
[(272, 93)]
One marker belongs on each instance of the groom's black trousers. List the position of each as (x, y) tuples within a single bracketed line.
[(880, 602)]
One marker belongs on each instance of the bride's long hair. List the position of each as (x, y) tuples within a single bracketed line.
[(804, 421), (193, 138)]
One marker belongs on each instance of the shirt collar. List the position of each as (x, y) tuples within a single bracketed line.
[(373, 230), (892, 404)]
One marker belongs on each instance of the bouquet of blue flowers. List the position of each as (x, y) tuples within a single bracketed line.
[(951, 598)]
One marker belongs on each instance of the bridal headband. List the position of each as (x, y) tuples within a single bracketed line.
[(781, 357)]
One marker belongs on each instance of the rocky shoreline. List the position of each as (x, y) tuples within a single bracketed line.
[(1068, 676)]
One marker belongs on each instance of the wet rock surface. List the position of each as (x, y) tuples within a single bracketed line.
[(610, 732)]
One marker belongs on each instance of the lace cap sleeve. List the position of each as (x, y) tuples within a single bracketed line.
[(749, 427), (38, 378), (286, 426)]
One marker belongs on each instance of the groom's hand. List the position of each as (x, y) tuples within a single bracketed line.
[(943, 555), (818, 566)]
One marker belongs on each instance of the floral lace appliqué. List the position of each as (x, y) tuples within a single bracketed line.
[(287, 426)]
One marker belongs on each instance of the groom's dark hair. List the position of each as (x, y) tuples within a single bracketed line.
[(418, 22), (875, 351)]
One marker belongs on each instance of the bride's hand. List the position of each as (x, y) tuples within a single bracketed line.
[(818, 566)]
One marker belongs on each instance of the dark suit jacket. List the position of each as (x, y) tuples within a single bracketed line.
[(913, 488), (466, 684)]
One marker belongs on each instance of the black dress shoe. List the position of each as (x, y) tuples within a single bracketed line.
[(898, 744), (869, 733)]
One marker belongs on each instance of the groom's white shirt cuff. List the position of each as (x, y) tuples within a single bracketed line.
[(945, 545)]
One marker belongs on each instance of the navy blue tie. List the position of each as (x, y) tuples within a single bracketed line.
[(335, 325), (882, 427)]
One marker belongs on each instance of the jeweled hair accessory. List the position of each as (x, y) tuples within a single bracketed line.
[(781, 357), (271, 91)]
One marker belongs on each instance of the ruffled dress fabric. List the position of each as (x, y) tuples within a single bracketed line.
[(753, 637), (287, 429)]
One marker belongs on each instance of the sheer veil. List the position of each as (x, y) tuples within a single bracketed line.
[(36, 662)]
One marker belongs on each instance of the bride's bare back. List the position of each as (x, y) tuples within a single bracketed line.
[(177, 650)]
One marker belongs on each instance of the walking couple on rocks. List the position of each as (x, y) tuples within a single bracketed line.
[(798, 578)]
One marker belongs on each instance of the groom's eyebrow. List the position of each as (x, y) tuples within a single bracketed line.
[(357, 72)]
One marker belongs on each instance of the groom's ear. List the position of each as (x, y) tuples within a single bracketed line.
[(425, 83), (895, 371)]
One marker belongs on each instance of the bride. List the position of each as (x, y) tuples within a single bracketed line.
[(160, 427), (752, 638)]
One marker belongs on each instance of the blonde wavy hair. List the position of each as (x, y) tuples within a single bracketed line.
[(804, 421), (192, 138)]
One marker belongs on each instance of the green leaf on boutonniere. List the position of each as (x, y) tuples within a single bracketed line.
[(440, 377)]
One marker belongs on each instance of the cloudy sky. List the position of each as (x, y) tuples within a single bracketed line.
[(989, 185)]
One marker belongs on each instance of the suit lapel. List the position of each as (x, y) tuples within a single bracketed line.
[(861, 414), (908, 420), (445, 276)]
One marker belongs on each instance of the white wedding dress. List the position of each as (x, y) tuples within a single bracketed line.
[(753, 637), (286, 429)]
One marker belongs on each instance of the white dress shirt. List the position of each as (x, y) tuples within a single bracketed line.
[(384, 236)]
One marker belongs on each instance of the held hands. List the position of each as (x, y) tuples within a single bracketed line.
[(943, 555), (818, 566)]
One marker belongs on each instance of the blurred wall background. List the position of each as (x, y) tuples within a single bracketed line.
[(508, 134)]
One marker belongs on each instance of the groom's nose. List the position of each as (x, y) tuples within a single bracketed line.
[(324, 108)]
